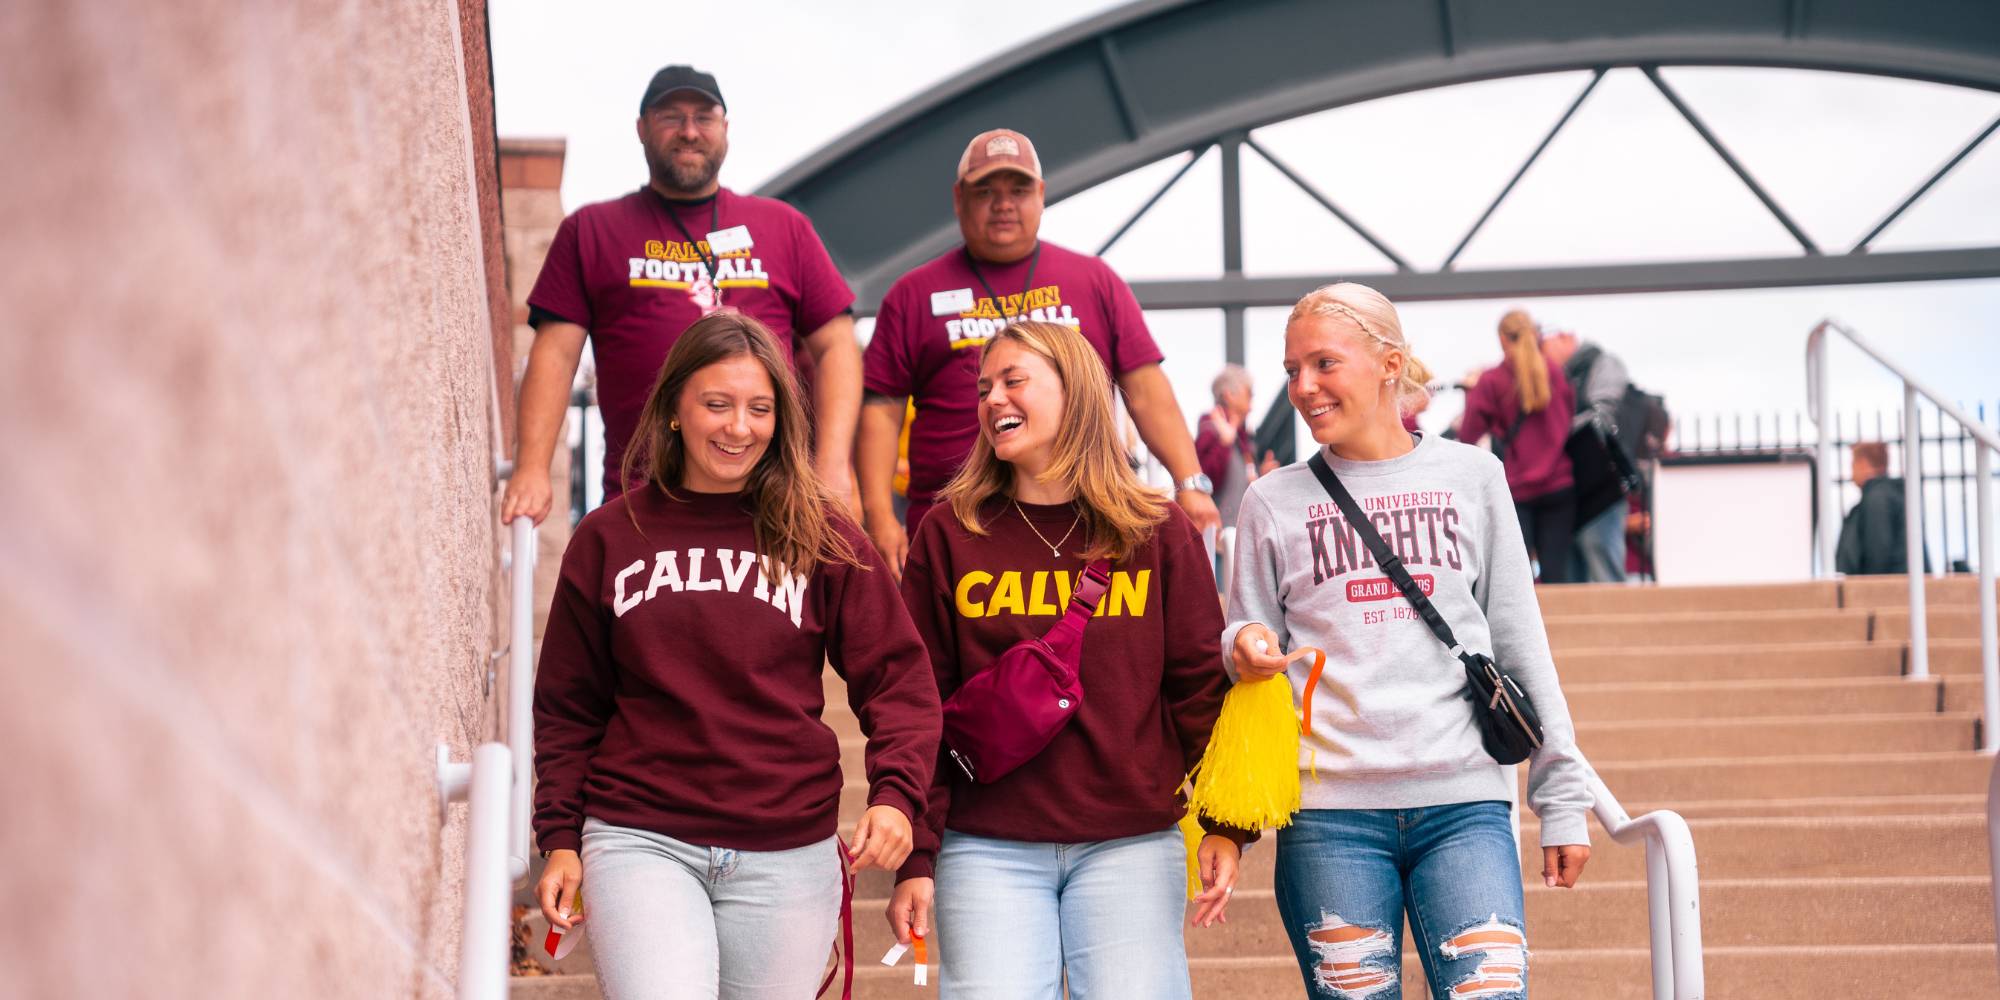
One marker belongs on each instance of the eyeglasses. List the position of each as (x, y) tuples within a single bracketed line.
[(706, 121)]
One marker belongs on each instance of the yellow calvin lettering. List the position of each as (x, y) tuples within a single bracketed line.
[(1036, 591), (967, 607), (1007, 595), (1128, 593)]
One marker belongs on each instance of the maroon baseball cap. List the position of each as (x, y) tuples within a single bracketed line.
[(993, 151)]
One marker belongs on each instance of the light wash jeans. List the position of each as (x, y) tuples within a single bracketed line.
[(672, 921), (1599, 553), (1345, 878), (1012, 916)]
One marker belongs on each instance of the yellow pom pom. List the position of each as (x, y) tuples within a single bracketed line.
[(1249, 776)]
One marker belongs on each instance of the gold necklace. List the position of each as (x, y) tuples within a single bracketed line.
[(1054, 547)]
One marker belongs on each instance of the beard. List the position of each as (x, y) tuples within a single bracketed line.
[(678, 176)]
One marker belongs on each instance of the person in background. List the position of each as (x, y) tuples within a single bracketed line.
[(628, 275), (683, 773), (1528, 406), (1069, 871), (1222, 441), (1873, 537), (1599, 380), (935, 319)]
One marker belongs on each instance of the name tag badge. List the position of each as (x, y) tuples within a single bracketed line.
[(951, 303), (729, 240)]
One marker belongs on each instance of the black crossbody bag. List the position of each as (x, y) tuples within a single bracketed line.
[(1507, 721)]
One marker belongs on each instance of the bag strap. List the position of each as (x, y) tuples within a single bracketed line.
[(1391, 563), (844, 948), (1090, 588), (1506, 440)]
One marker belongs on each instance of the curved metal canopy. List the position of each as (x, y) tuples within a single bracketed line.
[(1160, 77)]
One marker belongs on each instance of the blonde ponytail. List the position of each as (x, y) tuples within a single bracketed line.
[(1522, 340)]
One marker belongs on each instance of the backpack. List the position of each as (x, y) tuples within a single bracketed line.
[(1641, 416)]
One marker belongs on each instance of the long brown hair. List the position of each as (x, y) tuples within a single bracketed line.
[(792, 508), (1119, 512), (1522, 340)]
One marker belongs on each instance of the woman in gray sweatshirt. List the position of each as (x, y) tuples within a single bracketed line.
[(1408, 812)]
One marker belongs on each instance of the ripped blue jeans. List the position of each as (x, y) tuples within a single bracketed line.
[(1345, 878)]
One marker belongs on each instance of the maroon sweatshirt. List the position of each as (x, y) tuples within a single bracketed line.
[(1151, 670), (680, 687), (1535, 461)]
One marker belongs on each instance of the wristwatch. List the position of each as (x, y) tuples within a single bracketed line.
[(1198, 482)]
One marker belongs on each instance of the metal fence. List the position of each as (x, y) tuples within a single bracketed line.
[(1948, 479)]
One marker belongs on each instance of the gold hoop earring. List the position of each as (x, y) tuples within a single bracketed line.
[(674, 425)]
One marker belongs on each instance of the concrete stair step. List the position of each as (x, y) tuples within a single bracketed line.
[(1753, 737), (1947, 622), (1828, 776), (1631, 701), (1962, 692), (1837, 846), (1959, 590), (1726, 848), (1624, 631), (1891, 910), (1798, 972), (1968, 803), (1618, 598), (1640, 662), (1670, 739), (1774, 786)]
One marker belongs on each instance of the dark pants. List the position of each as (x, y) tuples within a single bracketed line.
[(1548, 525)]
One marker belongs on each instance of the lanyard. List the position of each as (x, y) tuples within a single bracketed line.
[(1033, 259), (714, 222)]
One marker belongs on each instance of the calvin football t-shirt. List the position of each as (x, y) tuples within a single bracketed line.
[(636, 271), (935, 319)]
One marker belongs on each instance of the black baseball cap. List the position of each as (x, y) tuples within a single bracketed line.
[(673, 78)]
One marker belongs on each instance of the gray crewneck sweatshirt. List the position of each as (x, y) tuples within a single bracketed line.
[(1392, 728)]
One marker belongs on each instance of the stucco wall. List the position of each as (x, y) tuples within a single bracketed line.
[(245, 506)]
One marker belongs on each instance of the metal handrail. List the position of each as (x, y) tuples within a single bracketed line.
[(485, 943), (520, 693), (1985, 443), (1673, 890), (499, 783)]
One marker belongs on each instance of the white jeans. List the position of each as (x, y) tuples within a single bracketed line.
[(1013, 917), (672, 921)]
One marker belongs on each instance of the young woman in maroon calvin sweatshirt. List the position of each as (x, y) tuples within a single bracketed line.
[(1073, 862), (684, 776)]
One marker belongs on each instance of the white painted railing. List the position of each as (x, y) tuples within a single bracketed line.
[(1673, 890), (499, 783), (486, 939), (1986, 442), (520, 693)]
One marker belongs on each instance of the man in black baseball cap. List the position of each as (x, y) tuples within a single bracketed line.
[(673, 78), (628, 275)]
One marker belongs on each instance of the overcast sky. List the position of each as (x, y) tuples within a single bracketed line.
[(1628, 180)]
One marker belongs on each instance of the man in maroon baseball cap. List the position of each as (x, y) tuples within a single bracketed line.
[(628, 275), (935, 319)]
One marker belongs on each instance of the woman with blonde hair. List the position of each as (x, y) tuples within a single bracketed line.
[(1527, 404), (1070, 867), (1408, 814), (683, 773)]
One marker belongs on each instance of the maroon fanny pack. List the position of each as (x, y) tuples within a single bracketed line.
[(1006, 714)]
